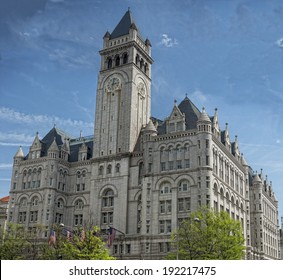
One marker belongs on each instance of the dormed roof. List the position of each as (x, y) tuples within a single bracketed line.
[(124, 25)]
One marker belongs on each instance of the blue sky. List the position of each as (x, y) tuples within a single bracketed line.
[(225, 54)]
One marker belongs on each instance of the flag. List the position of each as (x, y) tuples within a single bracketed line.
[(82, 235), (69, 235), (52, 238), (111, 235)]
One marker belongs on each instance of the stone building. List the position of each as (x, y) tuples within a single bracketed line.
[(139, 174)]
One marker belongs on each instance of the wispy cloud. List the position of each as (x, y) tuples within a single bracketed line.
[(6, 165), (11, 115), (15, 139), (198, 95), (168, 42), (5, 179)]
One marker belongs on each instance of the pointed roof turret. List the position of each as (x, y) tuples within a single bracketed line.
[(20, 153), (256, 179), (124, 26), (203, 116), (243, 161), (150, 127)]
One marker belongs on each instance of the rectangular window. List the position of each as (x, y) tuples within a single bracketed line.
[(162, 207), (179, 164), (33, 216), (78, 220), (163, 166), (187, 163), (78, 187), (171, 165)]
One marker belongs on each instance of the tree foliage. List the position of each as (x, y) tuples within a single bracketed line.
[(19, 244), (208, 235), (86, 246)]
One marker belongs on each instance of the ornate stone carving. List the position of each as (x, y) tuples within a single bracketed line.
[(141, 90)]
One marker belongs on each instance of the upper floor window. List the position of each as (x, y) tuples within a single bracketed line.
[(125, 58), (117, 61), (109, 63), (184, 186), (34, 201), (79, 204), (165, 188), (108, 198)]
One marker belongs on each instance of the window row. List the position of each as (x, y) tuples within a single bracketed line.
[(183, 186), (117, 61), (108, 169), (173, 165)]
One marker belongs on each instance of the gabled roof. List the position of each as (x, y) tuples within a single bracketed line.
[(191, 112), (124, 25)]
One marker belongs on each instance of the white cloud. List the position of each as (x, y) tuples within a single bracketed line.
[(198, 95), (5, 179), (11, 115), (15, 139), (279, 43), (168, 42), (6, 165)]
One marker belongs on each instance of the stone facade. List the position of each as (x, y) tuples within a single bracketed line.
[(138, 174)]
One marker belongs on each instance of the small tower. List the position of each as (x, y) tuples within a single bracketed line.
[(204, 122), (19, 156)]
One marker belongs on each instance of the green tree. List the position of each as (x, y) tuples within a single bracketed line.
[(83, 245), (208, 235), (13, 243), (19, 244)]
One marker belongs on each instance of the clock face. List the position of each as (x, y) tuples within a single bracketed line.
[(113, 84)]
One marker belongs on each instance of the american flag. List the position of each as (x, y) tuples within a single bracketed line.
[(111, 235), (69, 235), (52, 238), (82, 235)]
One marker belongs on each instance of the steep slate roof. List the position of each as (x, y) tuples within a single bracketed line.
[(191, 112), (124, 25), (48, 139), (75, 145)]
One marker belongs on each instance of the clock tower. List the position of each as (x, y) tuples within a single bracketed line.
[(123, 100)]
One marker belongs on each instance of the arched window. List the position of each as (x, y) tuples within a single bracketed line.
[(165, 188), (145, 68), (109, 63), (117, 61), (23, 202), (184, 186), (79, 204), (137, 59), (108, 198), (125, 58), (107, 207), (109, 169), (34, 201), (60, 203), (117, 168), (100, 170), (141, 63)]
